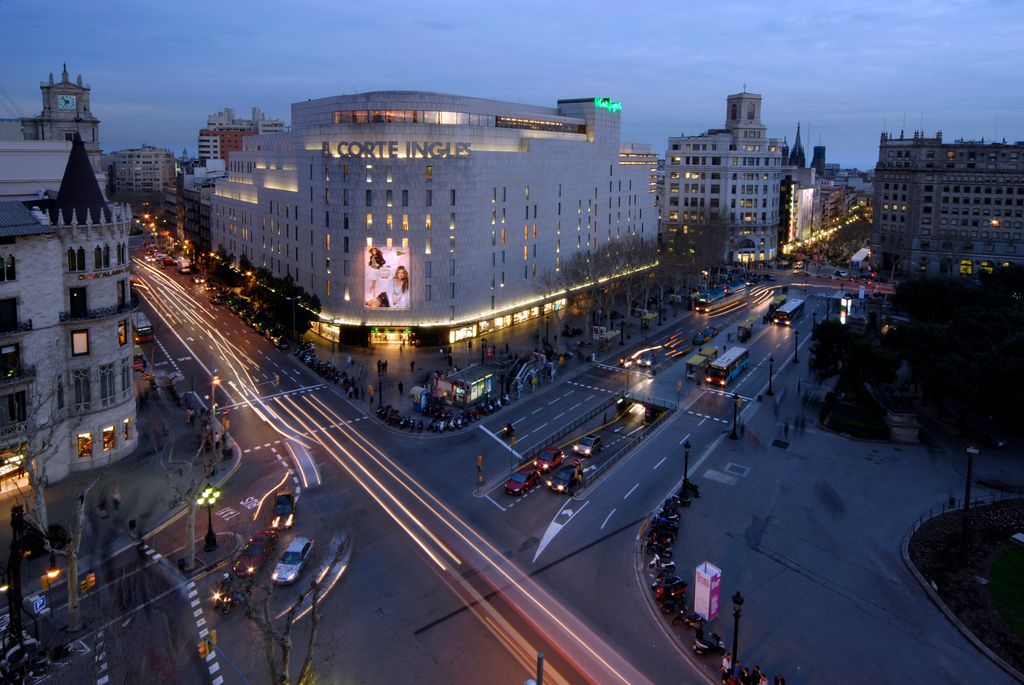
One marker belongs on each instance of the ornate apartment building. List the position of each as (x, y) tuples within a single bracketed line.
[(66, 387), (947, 208)]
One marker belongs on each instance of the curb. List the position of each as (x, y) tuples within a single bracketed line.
[(937, 601), (700, 668)]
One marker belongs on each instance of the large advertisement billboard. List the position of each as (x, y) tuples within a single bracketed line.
[(386, 280)]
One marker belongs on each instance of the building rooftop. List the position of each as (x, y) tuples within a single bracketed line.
[(17, 220)]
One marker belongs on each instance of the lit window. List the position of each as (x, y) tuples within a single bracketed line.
[(369, 220), (122, 332), (428, 222), (79, 343), (85, 445), (126, 428), (109, 438)]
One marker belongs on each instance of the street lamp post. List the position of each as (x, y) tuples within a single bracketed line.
[(796, 350), (214, 382), (735, 412), (686, 466), (207, 499), (814, 321), (964, 520), (293, 314), (771, 372), (737, 611)]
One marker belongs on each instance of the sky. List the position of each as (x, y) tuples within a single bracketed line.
[(846, 70)]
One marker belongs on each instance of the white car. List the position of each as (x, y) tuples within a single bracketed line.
[(587, 445), (292, 562)]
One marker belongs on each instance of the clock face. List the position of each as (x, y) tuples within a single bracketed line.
[(66, 101)]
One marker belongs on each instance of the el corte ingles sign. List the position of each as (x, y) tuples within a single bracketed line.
[(384, 149)]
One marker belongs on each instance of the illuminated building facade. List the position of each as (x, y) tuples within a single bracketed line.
[(432, 214), (726, 180)]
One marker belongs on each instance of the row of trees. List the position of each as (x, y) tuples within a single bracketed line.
[(635, 269), (965, 343), (281, 300)]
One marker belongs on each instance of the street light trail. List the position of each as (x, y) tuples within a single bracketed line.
[(545, 608), (311, 423)]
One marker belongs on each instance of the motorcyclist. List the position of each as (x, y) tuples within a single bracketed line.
[(510, 429)]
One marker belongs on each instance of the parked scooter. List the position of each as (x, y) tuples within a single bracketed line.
[(704, 644), (689, 619)]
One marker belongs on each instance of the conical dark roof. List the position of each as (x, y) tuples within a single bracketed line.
[(79, 191)]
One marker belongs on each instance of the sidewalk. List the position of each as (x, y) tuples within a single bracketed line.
[(413, 366), (147, 483)]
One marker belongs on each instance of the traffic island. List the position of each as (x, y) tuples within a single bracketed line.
[(971, 568)]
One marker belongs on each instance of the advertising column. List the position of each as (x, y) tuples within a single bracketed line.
[(707, 586)]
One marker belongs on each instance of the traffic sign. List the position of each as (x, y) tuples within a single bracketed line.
[(39, 603)]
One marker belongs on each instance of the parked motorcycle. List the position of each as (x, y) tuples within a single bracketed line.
[(704, 644)]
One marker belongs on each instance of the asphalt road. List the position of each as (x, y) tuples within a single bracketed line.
[(809, 531)]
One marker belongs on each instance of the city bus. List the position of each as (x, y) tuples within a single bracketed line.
[(746, 328), (142, 329), (717, 299), (727, 367), (789, 312), (776, 302)]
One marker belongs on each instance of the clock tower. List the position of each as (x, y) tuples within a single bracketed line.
[(66, 112)]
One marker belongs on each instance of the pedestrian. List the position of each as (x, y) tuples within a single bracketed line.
[(401, 387), (348, 360), (412, 366), (779, 680), (385, 367), (116, 497), (103, 506), (726, 665), (785, 429), (378, 367), (191, 416), (506, 348), (756, 675), (763, 680), (743, 429), (745, 677)]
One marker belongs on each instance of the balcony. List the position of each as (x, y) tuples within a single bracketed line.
[(16, 375), (15, 428), (102, 312), (14, 328)]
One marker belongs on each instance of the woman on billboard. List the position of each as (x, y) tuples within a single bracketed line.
[(395, 293)]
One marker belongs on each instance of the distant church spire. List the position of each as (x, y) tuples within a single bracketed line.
[(796, 154)]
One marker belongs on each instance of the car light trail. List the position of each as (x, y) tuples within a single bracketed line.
[(259, 506)]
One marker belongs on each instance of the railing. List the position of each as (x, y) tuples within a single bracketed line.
[(13, 428), (19, 327), (529, 454), (954, 504), (17, 375), (112, 310)]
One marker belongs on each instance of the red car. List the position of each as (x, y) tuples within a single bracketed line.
[(548, 458), (255, 553), (521, 481)]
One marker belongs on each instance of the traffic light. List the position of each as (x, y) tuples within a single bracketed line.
[(479, 462), (204, 648)]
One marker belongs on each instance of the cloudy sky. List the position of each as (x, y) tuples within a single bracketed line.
[(846, 69)]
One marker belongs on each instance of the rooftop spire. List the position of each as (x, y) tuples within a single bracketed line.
[(79, 197)]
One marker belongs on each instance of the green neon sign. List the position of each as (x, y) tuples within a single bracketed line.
[(608, 104)]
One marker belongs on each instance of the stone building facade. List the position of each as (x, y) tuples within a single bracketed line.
[(726, 180), (947, 208), (470, 201), (66, 389)]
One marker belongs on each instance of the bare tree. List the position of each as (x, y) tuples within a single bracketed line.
[(71, 556), (187, 481), (277, 640), (685, 256)]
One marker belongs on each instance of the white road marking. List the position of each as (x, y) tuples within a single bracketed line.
[(488, 497), (631, 490), (606, 519), (660, 462)]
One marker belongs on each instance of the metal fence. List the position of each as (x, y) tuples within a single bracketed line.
[(527, 455), (954, 504)]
